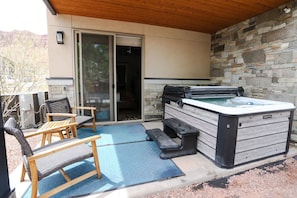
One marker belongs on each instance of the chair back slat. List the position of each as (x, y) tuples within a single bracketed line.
[(12, 128), (58, 106), (62, 106)]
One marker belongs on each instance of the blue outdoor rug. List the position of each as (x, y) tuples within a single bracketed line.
[(115, 134), (123, 162)]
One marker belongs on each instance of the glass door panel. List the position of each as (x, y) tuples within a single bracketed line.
[(95, 74)]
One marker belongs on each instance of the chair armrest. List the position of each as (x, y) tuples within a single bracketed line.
[(63, 147), (92, 109), (62, 114), (85, 108)]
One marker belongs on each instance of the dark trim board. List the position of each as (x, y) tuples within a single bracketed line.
[(50, 7)]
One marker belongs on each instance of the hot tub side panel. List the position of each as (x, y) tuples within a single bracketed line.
[(262, 135), (205, 121)]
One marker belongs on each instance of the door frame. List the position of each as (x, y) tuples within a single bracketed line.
[(75, 62)]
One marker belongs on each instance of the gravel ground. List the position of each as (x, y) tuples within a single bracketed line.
[(275, 181), (272, 181)]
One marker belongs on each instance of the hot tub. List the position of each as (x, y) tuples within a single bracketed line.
[(233, 129)]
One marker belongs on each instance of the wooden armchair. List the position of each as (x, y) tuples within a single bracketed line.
[(43, 161), (60, 110)]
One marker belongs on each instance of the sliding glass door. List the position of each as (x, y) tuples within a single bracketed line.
[(95, 65)]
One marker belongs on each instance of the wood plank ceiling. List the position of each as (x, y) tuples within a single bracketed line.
[(208, 16)]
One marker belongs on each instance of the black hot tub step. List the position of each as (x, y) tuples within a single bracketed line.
[(163, 141), (174, 126)]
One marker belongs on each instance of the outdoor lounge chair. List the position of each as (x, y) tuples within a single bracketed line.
[(44, 161), (60, 110)]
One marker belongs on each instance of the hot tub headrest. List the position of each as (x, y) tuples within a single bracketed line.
[(175, 93)]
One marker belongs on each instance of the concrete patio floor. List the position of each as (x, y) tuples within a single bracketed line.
[(197, 169)]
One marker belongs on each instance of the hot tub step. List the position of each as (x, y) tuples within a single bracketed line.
[(164, 141), (174, 128)]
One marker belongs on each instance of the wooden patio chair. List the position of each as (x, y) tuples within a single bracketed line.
[(44, 161), (60, 109)]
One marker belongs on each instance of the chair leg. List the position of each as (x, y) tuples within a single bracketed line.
[(23, 173), (67, 131), (64, 174), (94, 124), (74, 131), (96, 160), (34, 188), (61, 135), (34, 179), (43, 139), (49, 138)]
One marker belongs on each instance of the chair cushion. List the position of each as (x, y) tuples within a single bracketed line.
[(52, 163), (81, 119)]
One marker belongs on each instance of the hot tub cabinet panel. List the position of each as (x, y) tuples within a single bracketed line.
[(205, 121), (199, 117), (236, 138), (261, 135)]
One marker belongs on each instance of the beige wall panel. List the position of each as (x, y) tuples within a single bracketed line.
[(166, 32), (60, 20), (168, 52), (107, 25), (60, 56), (176, 58)]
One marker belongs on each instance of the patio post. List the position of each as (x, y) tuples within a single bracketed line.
[(5, 190)]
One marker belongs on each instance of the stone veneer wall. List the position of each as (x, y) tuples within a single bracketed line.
[(153, 90), (259, 54), (60, 88)]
